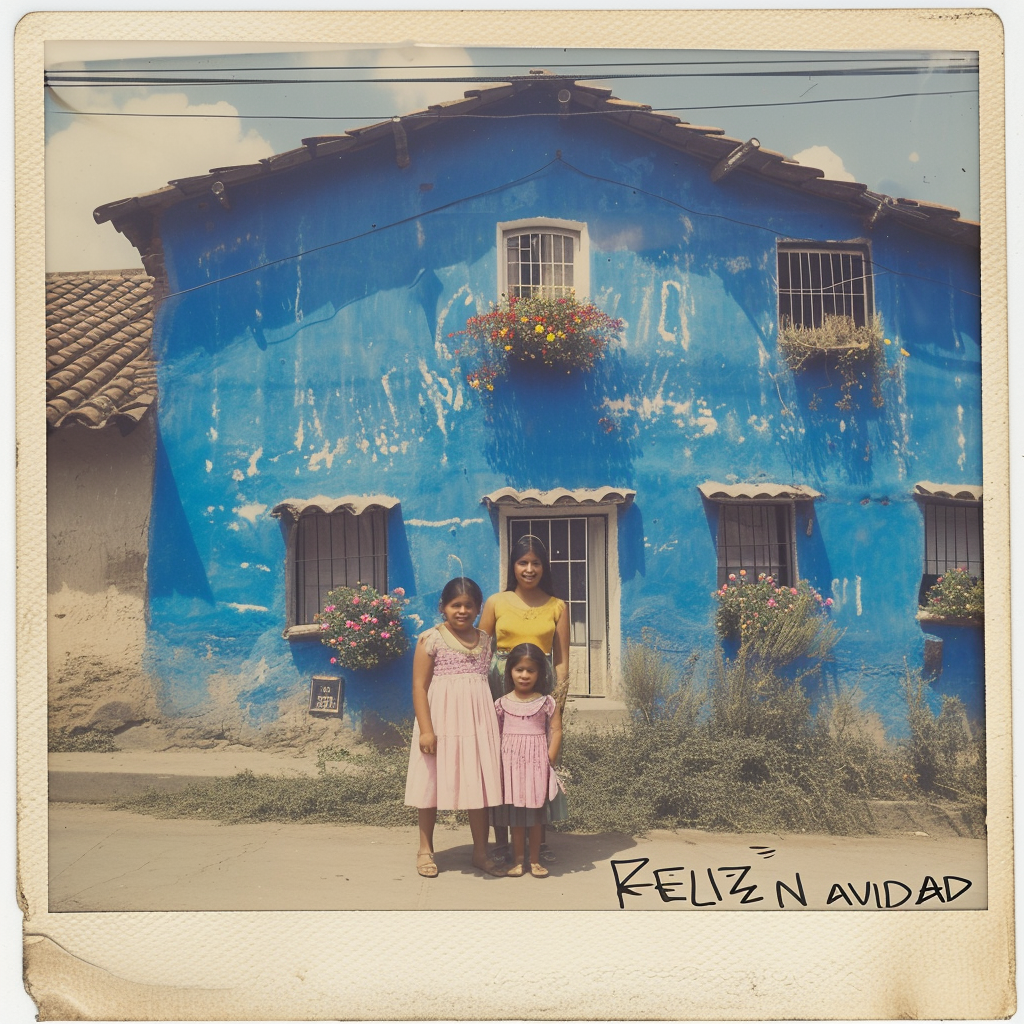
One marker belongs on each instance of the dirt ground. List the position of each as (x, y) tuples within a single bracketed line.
[(105, 860)]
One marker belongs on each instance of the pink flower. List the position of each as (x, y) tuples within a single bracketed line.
[(374, 603), (400, 591), (326, 625), (334, 661), (725, 586), (792, 590), (329, 608), (385, 636), (771, 604), (364, 617), (732, 576), (355, 600), (349, 623), (393, 622), (352, 643), (363, 587), (828, 602), (374, 621), (356, 626), (755, 615)]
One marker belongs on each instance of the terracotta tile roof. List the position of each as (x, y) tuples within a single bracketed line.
[(99, 364), (707, 144), (714, 491)]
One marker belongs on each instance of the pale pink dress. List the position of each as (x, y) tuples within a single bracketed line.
[(528, 777), (465, 773)]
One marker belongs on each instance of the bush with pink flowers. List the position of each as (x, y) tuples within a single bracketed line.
[(363, 627), (956, 594), (776, 624)]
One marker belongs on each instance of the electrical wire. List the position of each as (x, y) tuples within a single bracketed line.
[(73, 80), (518, 181), (501, 117)]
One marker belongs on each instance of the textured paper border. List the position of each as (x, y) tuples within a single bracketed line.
[(448, 964)]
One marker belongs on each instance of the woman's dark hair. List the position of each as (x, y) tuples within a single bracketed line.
[(538, 657), (459, 587), (527, 543)]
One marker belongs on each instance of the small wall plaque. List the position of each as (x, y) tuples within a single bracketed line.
[(326, 695)]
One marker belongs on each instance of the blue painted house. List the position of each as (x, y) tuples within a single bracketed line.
[(315, 426)]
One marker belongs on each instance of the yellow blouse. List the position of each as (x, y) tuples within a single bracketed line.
[(516, 623)]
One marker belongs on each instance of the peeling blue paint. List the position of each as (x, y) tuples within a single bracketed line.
[(334, 374)]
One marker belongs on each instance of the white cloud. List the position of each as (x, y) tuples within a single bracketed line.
[(415, 61), (914, 157), (823, 157), (97, 160)]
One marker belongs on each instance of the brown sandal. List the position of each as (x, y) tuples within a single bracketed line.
[(488, 867), (425, 865), (539, 871), (516, 871)]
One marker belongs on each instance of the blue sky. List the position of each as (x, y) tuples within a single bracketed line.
[(904, 134)]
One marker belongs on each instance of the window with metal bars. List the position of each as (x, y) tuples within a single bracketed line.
[(540, 263), (339, 549), (755, 537), (952, 540), (815, 283)]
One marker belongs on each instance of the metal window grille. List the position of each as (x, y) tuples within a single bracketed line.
[(539, 263), (755, 537), (952, 539), (814, 284), (336, 550)]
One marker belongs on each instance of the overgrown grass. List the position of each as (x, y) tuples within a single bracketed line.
[(733, 748), (63, 741)]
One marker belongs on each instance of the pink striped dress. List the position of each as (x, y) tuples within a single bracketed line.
[(465, 773), (529, 780)]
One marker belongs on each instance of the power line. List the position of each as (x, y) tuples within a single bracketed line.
[(502, 117), (509, 184), (571, 64), (75, 80)]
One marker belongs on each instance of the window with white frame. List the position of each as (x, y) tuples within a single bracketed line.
[(819, 280), (339, 545), (756, 537), (543, 258)]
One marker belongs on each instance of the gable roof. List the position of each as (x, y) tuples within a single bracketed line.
[(99, 364), (708, 145)]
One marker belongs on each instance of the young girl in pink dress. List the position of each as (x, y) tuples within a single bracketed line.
[(455, 758), (531, 734)]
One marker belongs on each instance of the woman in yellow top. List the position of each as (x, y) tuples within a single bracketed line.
[(526, 612)]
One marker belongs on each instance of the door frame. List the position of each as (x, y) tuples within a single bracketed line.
[(613, 585)]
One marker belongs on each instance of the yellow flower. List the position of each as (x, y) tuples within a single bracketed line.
[(539, 329), (490, 387), (474, 383), (888, 342), (523, 320), (551, 337), (904, 352), (503, 332), (508, 348)]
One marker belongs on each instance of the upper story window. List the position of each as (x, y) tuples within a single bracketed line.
[(543, 258), (332, 543), (818, 280)]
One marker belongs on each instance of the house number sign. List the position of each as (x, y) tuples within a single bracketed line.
[(326, 695)]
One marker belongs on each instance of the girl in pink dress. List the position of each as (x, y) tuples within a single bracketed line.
[(455, 758), (531, 735)]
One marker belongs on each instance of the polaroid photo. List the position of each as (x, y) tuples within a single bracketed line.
[(506, 476)]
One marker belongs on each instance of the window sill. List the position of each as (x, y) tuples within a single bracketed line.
[(923, 615), (310, 631)]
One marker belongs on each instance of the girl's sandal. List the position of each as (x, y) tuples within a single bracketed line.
[(539, 871), (516, 871), (488, 867), (425, 865)]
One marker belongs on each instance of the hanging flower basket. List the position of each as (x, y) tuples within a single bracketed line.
[(363, 627), (559, 334), (855, 351)]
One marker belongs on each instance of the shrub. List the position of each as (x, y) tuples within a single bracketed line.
[(776, 624), (857, 352), (957, 594), (363, 627)]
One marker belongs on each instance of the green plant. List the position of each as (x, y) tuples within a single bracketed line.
[(558, 333), (857, 351), (363, 627), (775, 623), (64, 741), (958, 594)]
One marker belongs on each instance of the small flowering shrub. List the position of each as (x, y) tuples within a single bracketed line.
[(363, 627), (777, 624), (958, 594), (560, 333)]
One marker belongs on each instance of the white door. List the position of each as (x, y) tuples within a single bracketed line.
[(578, 548)]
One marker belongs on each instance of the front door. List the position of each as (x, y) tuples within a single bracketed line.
[(577, 545)]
